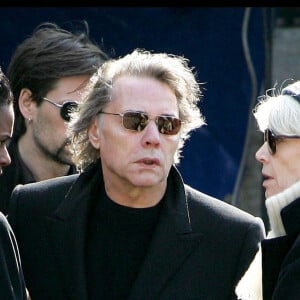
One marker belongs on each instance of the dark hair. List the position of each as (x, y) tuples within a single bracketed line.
[(48, 55), (6, 96)]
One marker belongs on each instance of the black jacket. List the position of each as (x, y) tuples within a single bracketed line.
[(199, 250), (13, 175), (12, 285), (281, 258)]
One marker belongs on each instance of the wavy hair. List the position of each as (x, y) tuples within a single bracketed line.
[(167, 68)]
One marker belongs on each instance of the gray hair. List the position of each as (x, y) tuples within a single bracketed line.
[(279, 110), (170, 69)]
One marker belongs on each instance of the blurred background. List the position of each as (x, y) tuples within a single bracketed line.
[(237, 52)]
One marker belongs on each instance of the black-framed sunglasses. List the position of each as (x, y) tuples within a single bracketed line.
[(66, 108), (137, 121), (271, 139)]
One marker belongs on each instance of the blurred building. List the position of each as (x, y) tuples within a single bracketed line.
[(285, 64)]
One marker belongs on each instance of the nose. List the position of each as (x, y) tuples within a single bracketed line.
[(262, 153), (151, 135), (5, 159)]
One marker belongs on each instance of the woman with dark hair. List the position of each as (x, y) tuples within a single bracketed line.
[(12, 285)]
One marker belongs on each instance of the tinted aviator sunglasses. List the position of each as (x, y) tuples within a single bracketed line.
[(271, 139), (137, 121), (65, 109)]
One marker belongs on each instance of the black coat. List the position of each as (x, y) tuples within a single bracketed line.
[(15, 174), (12, 285), (281, 258), (199, 250)]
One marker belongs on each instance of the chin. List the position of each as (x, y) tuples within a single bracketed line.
[(146, 182)]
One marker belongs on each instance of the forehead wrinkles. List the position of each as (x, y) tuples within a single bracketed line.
[(142, 87)]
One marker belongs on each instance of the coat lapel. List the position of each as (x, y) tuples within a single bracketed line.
[(67, 232), (168, 250), (173, 242)]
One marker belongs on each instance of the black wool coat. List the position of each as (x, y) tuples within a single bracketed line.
[(281, 258), (15, 174), (199, 250)]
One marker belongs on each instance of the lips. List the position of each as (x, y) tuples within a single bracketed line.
[(149, 161), (266, 177)]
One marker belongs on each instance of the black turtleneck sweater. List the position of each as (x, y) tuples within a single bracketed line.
[(117, 242)]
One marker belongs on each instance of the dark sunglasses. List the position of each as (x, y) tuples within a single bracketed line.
[(65, 109), (271, 138), (137, 121)]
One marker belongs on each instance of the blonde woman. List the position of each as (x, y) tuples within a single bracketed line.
[(278, 117)]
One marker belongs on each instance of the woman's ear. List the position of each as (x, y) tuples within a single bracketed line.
[(26, 105), (94, 133)]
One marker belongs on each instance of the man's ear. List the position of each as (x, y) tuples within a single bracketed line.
[(94, 134), (26, 105)]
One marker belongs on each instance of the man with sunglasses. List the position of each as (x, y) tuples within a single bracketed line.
[(48, 73), (127, 227), (278, 116)]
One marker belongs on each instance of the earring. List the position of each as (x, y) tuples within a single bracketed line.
[(29, 120)]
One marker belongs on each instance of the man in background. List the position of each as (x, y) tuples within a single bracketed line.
[(48, 73)]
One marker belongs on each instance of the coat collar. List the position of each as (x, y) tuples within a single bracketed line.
[(172, 242)]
